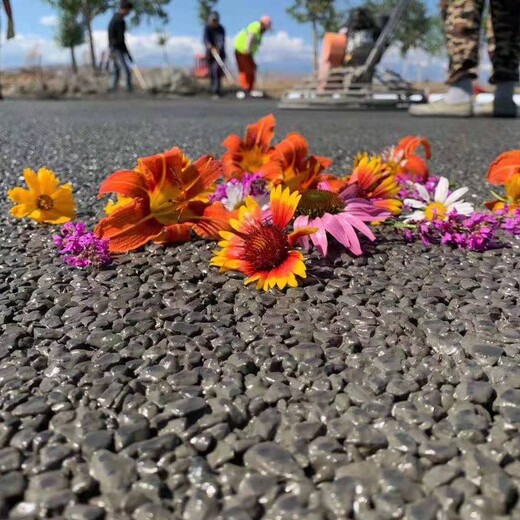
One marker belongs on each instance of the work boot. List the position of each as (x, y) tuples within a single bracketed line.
[(499, 110), (441, 109)]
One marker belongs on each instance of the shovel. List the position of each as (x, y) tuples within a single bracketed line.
[(223, 66), (139, 77)]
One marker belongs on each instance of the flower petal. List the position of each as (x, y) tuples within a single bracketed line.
[(129, 183), (455, 196), (129, 227), (442, 189), (31, 179), (283, 206), (47, 181), (21, 196)]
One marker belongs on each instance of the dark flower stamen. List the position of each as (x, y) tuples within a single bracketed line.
[(315, 203)]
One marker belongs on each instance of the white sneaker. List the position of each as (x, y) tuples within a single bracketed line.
[(241, 94), (257, 94)]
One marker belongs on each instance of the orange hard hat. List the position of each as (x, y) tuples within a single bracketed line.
[(266, 21)]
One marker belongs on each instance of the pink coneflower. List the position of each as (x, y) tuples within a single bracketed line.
[(337, 215)]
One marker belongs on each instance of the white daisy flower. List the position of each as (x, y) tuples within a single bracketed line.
[(442, 204)]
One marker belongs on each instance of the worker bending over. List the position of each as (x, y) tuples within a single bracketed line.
[(247, 44)]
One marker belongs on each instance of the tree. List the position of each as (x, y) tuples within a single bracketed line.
[(70, 35), (162, 41), (415, 29), (205, 9), (321, 14), (89, 9)]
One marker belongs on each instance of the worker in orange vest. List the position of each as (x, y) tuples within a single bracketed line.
[(247, 44)]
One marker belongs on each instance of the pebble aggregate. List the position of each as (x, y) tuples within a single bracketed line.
[(385, 387)]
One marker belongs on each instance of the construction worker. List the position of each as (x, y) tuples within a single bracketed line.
[(462, 27), (118, 49), (215, 42), (247, 44)]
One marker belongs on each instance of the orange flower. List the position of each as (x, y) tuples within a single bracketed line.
[(251, 154), (297, 171), (403, 161), (261, 248), (511, 202), (160, 201), (504, 167), (375, 184)]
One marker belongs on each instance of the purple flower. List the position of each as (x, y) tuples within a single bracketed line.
[(475, 232), (81, 248)]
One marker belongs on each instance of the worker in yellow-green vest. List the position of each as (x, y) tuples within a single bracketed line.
[(247, 44)]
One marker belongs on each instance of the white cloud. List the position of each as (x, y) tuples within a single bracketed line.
[(50, 20)]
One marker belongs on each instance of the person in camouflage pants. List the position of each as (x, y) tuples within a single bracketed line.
[(463, 28)]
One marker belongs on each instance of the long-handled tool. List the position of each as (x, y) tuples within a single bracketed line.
[(139, 77), (223, 66)]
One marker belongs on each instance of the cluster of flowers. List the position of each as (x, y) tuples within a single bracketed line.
[(262, 201), (81, 248)]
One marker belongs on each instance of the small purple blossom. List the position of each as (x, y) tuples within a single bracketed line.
[(81, 248), (476, 232)]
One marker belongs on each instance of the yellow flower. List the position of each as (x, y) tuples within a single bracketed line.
[(44, 201)]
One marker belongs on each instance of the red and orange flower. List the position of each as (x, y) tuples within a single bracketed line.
[(158, 201), (298, 170), (504, 167), (251, 154), (260, 247), (404, 162), (375, 183)]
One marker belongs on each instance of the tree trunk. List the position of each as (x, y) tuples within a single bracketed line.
[(88, 25), (315, 45), (73, 60)]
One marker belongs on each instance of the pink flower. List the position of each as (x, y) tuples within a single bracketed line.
[(337, 215)]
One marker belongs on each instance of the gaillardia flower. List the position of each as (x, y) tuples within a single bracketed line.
[(297, 171), (260, 247), (375, 184), (336, 214), (164, 206), (504, 167), (442, 204), (252, 153), (45, 200)]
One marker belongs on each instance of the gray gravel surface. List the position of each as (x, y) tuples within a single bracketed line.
[(388, 386)]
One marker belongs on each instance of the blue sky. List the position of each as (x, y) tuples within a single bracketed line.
[(286, 49)]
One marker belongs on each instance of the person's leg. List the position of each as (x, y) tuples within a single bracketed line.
[(215, 77), (504, 52), (251, 73), (462, 22), (242, 71), (128, 72), (116, 72)]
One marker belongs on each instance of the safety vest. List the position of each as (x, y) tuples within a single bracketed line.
[(254, 29)]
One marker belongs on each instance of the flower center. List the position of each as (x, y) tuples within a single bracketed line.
[(315, 203), (254, 159), (266, 247), (45, 202), (436, 211)]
